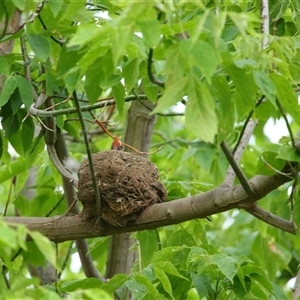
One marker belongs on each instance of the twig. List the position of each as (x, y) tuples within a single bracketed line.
[(238, 172), (270, 218), (239, 149), (149, 71), (287, 123), (43, 113), (64, 264), (59, 166), (12, 183), (259, 102), (89, 154)]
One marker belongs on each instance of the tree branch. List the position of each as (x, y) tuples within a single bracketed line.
[(237, 170), (237, 153), (64, 228), (34, 111), (270, 218)]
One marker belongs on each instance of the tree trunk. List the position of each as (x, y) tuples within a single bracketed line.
[(138, 134)]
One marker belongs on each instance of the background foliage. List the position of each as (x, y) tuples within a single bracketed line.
[(212, 68)]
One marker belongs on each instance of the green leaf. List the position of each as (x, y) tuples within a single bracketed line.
[(266, 85), (150, 288), (173, 93), (278, 293), (25, 90), (296, 212), (151, 32), (1, 145), (114, 283), (4, 67), (227, 265), (45, 246), (39, 45), (168, 267), (82, 284), (8, 237), (288, 153), (121, 39), (7, 90), (268, 164), (148, 245), (287, 96), (203, 284), (119, 95), (200, 54), (200, 112), (244, 83), (225, 109), (94, 76), (131, 73), (164, 280), (56, 6)]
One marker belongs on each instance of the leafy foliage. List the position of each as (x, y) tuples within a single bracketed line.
[(210, 71)]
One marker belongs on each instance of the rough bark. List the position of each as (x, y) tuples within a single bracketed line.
[(138, 134), (64, 228)]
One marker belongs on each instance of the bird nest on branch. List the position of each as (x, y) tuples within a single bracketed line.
[(127, 184)]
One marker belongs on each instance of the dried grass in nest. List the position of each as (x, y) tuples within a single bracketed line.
[(127, 182)]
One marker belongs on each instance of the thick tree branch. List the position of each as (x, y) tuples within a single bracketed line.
[(218, 200)]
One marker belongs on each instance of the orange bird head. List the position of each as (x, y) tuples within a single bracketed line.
[(117, 144)]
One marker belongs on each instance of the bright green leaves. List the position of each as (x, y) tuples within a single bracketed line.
[(200, 115), (8, 88), (40, 45), (286, 96), (25, 90), (201, 55), (245, 90), (151, 31), (266, 85)]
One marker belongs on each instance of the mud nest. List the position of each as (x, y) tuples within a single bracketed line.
[(127, 183)]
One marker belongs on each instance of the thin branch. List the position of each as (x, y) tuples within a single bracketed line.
[(70, 195), (89, 155), (240, 147), (286, 122), (53, 113), (270, 218), (259, 102), (149, 71), (239, 173)]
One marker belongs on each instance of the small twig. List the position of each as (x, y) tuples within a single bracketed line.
[(239, 173), (270, 218), (240, 147), (117, 139), (51, 36), (275, 170), (12, 183), (89, 155), (59, 166), (287, 123), (53, 113), (259, 102), (149, 71), (64, 264), (55, 206)]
